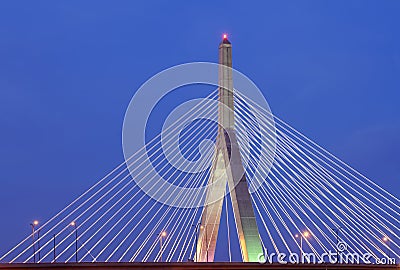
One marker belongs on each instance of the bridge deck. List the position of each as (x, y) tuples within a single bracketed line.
[(195, 266)]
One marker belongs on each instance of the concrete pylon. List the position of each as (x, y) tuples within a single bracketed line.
[(227, 169)]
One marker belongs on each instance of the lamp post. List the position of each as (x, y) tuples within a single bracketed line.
[(305, 234), (386, 240), (73, 224), (33, 224), (301, 242), (161, 235), (38, 243)]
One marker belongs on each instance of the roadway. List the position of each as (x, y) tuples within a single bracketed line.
[(194, 266)]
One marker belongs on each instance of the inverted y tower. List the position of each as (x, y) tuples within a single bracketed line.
[(227, 169)]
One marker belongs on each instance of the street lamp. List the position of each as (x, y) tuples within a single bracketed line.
[(161, 235), (386, 240), (33, 224), (38, 242), (305, 234), (73, 224)]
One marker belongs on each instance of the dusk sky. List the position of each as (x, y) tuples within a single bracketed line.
[(68, 70)]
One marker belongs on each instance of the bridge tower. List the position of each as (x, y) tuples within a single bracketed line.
[(227, 169)]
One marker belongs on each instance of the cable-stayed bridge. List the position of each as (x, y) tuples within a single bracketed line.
[(284, 199)]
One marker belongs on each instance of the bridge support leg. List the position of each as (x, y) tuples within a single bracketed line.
[(227, 169)]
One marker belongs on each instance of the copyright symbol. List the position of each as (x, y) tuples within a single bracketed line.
[(341, 246)]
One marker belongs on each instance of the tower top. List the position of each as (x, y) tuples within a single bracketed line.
[(225, 39)]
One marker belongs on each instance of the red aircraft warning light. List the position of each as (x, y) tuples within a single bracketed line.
[(225, 36)]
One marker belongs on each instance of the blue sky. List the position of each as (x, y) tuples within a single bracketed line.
[(68, 70)]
